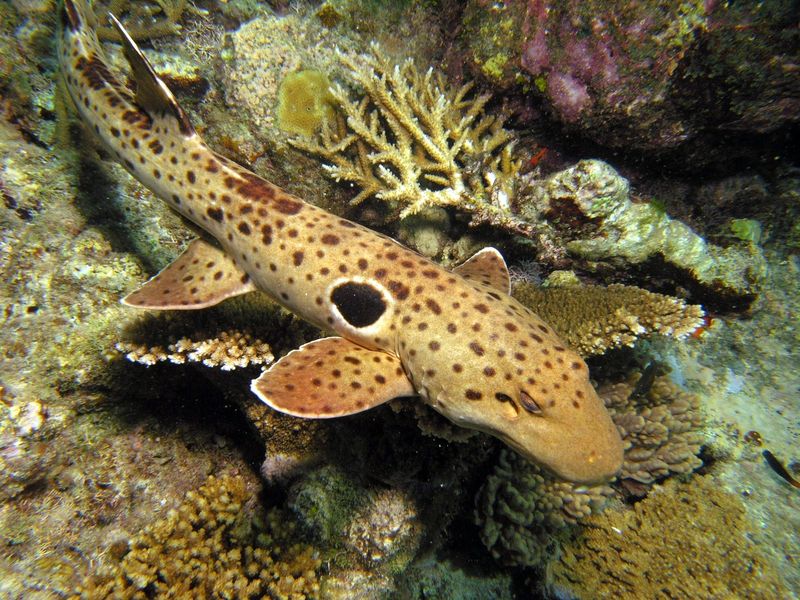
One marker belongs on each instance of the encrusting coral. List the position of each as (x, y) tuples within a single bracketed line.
[(414, 141), (594, 319), (686, 540), (522, 510), (214, 545), (229, 350)]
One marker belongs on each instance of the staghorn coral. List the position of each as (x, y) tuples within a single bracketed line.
[(687, 540), (595, 319), (414, 141), (229, 350), (213, 545), (523, 511), (662, 430)]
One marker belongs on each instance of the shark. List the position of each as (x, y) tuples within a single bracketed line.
[(403, 324)]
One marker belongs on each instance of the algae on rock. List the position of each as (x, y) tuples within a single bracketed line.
[(590, 205)]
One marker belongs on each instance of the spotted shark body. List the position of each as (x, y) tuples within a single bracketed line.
[(405, 325)]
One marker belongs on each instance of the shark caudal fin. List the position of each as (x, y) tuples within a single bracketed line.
[(152, 94)]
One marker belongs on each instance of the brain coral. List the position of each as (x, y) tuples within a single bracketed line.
[(214, 546), (686, 540)]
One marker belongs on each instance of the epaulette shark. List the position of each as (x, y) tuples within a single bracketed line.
[(405, 325)]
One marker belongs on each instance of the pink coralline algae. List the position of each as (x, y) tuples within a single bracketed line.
[(642, 74), (569, 96)]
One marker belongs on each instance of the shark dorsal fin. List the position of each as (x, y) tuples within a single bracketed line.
[(487, 267), (152, 94)]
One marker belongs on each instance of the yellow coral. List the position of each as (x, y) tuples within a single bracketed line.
[(688, 540), (212, 546), (594, 319), (304, 102), (414, 141)]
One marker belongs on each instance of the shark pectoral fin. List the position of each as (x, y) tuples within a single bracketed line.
[(331, 377), (487, 267), (200, 277)]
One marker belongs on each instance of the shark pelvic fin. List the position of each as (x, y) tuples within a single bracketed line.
[(152, 94), (332, 377), (200, 277), (487, 267)]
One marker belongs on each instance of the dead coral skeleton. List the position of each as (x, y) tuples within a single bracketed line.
[(414, 141), (229, 350)]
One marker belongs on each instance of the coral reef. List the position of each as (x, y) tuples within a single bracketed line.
[(413, 140), (215, 544), (144, 20), (230, 350), (645, 75), (595, 319), (687, 540), (523, 511), (590, 206), (662, 429)]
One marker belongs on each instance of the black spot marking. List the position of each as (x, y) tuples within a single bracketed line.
[(433, 306), (244, 228), (359, 303), (297, 258), (216, 214), (473, 395)]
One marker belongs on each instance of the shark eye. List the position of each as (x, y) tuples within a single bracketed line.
[(503, 397), (529, 403)]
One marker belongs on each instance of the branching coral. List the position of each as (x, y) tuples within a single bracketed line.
[(594, 319), (685, 541), (213, 546), (414, 141), (229, 350), (521, 509)]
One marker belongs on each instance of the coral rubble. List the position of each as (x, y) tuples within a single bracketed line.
[(595, 319), (687, 540)]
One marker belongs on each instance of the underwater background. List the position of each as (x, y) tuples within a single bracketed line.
[(635, 163)]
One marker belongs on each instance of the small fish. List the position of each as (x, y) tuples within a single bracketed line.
[(778, 467), (645, 383), (405, 325)]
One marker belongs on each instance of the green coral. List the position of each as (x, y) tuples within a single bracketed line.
[(687, 540), (304, 102)]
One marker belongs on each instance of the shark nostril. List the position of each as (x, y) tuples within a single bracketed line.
[(529, 403)]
